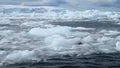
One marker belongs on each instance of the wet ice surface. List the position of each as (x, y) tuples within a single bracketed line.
[(37, 42)]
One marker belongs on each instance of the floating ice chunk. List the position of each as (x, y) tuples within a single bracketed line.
[(118, 45), (2, 52), (58, 42), (43, 32), (88, 39), (6, 32), (106, 47), (4, 21), (118, 38), (83, 28), (19, 56), (4, 41), (106, 50), (81, 34), (104, 39), (103, 31), (111, 33), (85, 49), (118, 23)]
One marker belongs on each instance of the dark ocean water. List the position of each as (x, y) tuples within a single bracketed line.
[(108, 25), (110, 60)]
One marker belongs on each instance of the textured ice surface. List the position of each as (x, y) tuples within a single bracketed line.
[(43, 32), (83, 28), (118, 45), (57, 14), (27, 33), (22, 56), (57, 42)]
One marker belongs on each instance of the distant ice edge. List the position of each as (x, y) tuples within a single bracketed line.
[(54, 13)]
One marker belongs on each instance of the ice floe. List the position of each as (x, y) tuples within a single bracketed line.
[(43, 32)]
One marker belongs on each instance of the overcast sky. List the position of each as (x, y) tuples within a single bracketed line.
[(69, 4)]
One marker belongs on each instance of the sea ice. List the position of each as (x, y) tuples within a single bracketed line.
[(88, 39), (53, 13), (37, 37), (58, 42), (44, 32), (118, 45), (83, 28), (20, 56), (118, 38)]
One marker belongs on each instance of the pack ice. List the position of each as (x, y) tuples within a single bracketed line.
[(27, 34)]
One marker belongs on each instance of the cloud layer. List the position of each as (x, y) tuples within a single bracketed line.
[(71, 4)]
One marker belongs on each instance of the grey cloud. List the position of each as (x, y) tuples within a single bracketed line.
[(70, 4)]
